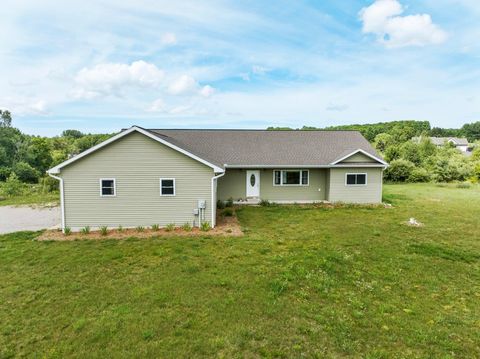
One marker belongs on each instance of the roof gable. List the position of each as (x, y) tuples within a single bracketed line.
[(56, 169), (359, 156)]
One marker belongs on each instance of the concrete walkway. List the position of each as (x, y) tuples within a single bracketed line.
[(14, 219)]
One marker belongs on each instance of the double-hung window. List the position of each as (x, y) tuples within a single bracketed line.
[(167, 186), (108, 187), (290, 177), (355, 179)]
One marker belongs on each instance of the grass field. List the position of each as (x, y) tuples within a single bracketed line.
[(303, 282), (34, 198)]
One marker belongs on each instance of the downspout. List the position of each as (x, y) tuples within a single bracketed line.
[(62, 199), (214, 203)]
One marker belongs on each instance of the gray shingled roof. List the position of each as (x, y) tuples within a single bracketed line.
[(269, 148), (440, 141)]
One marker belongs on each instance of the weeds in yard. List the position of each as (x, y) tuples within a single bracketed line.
[(67, 231), (85, 230), (103, 230), (140, 229), (220, 204), (120, 228), (187, 227), (229, 202), (155, 227), (205, 226), (464, 185), (170, 227), (227, 212)]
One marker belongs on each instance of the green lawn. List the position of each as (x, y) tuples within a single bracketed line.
[(303, 282)]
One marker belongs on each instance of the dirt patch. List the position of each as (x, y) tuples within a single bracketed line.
[(226, 226)]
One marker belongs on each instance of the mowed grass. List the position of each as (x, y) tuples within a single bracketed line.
[(37, 199), (303, 282)]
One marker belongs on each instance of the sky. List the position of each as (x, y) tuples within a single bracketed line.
[(99, 66)]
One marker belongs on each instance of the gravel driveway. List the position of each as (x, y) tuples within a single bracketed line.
[(13, 219)]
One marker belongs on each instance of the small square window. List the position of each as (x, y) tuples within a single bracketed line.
[(167, 186), (107, 187)]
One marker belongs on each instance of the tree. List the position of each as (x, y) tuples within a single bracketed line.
[(72, 133), (382, 141), (472, 131), (399, 170), (392, 153), (26, 173), (38, 154), (411, 152), (5, 118)]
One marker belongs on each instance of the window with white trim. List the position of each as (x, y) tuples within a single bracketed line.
[(355, 179), (107, 187), (167, 186), (291, 177)]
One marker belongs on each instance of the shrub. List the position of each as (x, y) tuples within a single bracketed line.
[(49, 184), (187, 227), (12, 186), (170, 227), (220, 204), (265, 203), (86, 230), (155, 227), (205, 227), (419, 174), (4, 173), (229, 202), (399, 170), (26, 173), (140, 229), (67, 231), (103, 230), (227, 212), (120, 228)]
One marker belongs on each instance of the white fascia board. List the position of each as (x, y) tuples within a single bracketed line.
[(363, 152), (56, 169)]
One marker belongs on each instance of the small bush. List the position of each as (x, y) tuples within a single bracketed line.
[(220, 204), (140, 229), (86, 230), (170, 227), (419, 175), (12, 186), (67, 231), (120, 228), (463, 185), (266, 203), (26, 173), (187, 227), (205, 227), (103, 230), (227, 212), (49, 184), (229, 202), (399, 170), (155, 227)]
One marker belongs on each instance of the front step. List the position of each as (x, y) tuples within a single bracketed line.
[(249, 201)]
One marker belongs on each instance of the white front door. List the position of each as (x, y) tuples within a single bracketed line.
[(253, 183)]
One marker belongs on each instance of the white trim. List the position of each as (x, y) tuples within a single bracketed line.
[(62, 200), (114, 187), (174, 187), (363, 152), (356, 185), (291, 170), (302, 166), (56, 169), (214, 202)]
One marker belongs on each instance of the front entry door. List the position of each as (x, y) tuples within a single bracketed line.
[(253, 183)]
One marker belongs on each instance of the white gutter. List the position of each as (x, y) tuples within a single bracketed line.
[(62, 199), (214, 203)]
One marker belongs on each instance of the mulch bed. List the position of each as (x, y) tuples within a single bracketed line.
[(226, 226)]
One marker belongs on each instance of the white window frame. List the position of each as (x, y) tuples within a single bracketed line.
[(356, 185), (291, 185), (114, 187), (174, 187)]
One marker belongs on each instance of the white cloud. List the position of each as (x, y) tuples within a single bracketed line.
[(259, 70), (169, 38), (157, 106), (336, 107), (187, 85), (383, 19), (111, 79), (24, 106)]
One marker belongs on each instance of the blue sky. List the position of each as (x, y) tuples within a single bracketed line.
[(101, 66)]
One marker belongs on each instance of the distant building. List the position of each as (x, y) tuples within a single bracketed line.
[(459, 143)]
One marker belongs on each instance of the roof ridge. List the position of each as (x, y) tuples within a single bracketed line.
[(246, 129)]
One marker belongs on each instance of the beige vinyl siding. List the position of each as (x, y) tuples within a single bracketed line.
[(370, 193), (137, 163), (233, 185), (359, 157)]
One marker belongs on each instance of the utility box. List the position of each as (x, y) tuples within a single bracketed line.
[(195, 211), (202, 204)]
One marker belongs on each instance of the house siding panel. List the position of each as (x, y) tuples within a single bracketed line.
[(358, 157), (233, 185), (371, 193), (137, 163)]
